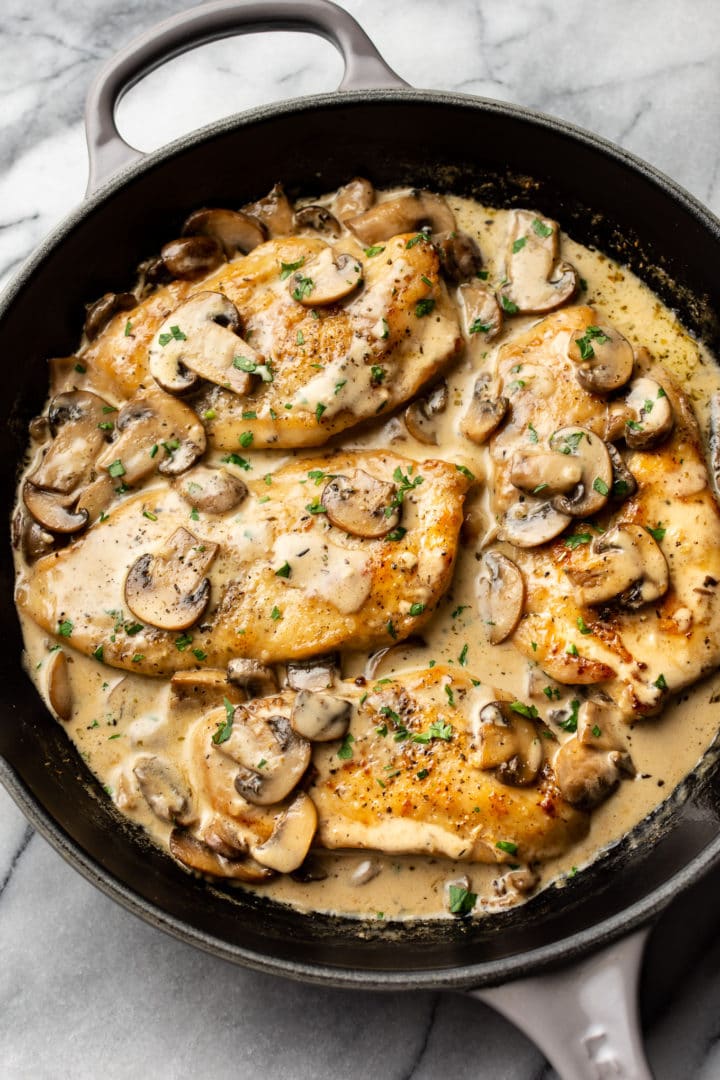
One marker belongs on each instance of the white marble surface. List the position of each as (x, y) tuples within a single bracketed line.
[(86, 990)]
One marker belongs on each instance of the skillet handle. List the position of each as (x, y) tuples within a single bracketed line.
[(584, 1019), (108, 151)]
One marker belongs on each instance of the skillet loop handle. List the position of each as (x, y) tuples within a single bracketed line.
[(584, 1019), (108, 151)]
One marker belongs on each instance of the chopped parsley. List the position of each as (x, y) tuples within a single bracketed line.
[(316, 507), (437, 730), (570, 722), (175, 334), (199, 654), (376, 249), (300, 338), (99, 653), (397, 533), (345, 751), (462, 658), (235, 459), (149, 515), (477, 326), (182, 642), (584, 343), (661, 683), (508, 305), (528, 711), (658, 533), (377, 374), (462, 901), (275, 614), (284, 570), (245, 439), (286, 269), (303, 287), (65, 628), (582, 626), (507, 846), (422, 774), (128, 328), (465, 471), (600, 486), (116, 468), (541, 229), (577, 539), (532, 434), (417, 609), (424, 307), (224, 728), (244, 363), (519, 244), (391, 629), (319, 410)]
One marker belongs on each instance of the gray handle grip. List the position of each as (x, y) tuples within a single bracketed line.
[(108, 151), (584, 1019)]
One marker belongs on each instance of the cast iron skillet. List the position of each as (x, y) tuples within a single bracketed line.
[(501, 155)]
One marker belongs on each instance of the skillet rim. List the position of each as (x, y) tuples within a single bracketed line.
[(486, 973)]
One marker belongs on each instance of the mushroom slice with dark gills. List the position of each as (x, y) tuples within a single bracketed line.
[(361, 504), (200, 340), (319, 219), (440, 792), (460, 256), (319, 716), (420, 417), (169, 590), (77, 420), (405, 213), (538, 281), (234, 231), (587, 775), (316, 673), (272, 756), (154, 431), (196, 855), (256, 679), (298, 585), (625, 565), (596, 478), (508, 740), (500, 594), (329, 277), (286, 847), (604, 359), (214, 491)]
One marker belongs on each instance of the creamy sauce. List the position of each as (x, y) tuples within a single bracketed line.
[(118, 715)]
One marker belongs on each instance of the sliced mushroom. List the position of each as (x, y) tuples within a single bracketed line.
[(552, 473), (74, 419), (190, 851), (361, 504), (200, 339), (353, 198), (231, 229), (151, 273), (482, 315), (536, 281), (406, 213), (154, 431), (532, 522), (163, 789), (53, 511), (320, 717), (96, 496), (317, 673), (273, 757), (274, 211), (460, 256), (604, 359), (484, 414), (59, 689), (101, 312), (420, 416), (291, 837), (652, 417), (318, 218), (169, 590), (214, 491), (587, 776), (191, 256), (624, 564), (514, 885), (326, 278), (507, 743), (500, 596), (624, 484), (27, 534), (365, 871), (202, 690), (593, 489), (256, 679)]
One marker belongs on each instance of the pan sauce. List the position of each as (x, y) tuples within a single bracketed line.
[(115, 712)]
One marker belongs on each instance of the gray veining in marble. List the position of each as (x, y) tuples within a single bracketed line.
[(87, 990)]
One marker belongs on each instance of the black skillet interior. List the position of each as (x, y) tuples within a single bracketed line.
[(501, 156)]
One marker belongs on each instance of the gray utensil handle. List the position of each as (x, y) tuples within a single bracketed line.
[(108, 151), (585, 1018)]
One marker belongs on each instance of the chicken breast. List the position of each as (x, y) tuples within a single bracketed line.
[(160, 586), (311, 371), (626, 598)]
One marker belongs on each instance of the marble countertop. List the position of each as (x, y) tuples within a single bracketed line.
[(87, 989)]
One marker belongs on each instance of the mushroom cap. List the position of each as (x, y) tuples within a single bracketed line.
[(587, 775), (325, 279), (536, 281), (624, 564), (53, 511), (460, 256), (164, 789), (403, 214), (652, 417), (191, 256), (532, 522), (604, 359), (59, 689), (319, 219), (500, 590), (595, 484), (274, 211), (231, 229), (101, 312), (200, 339), (273, 758), (547, 471), (316, 673), (419, 417), (507, 743), (361, 505), (169, 590), (291, 837), (73, 418), (214, 491), (484, 414), (319, 716), (353, 198)]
